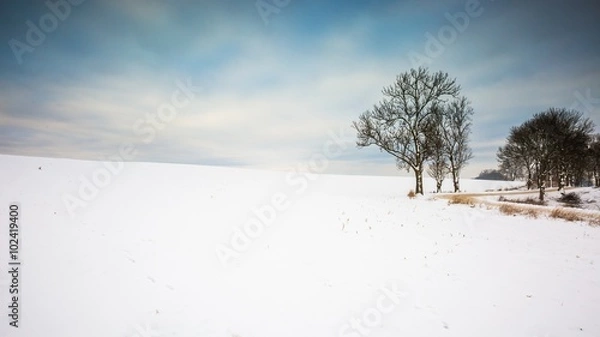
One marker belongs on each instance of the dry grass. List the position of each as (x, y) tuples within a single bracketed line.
[(573, 215), (566, 214), (518, 210), (532, 213), (509, 209), (411, 194), (462, 200), (529, 208), (528, 201)]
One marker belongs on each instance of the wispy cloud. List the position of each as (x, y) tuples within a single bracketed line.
[(270, 94)]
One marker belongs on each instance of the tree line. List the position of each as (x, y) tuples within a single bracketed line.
[(425, 124), (556, 145)]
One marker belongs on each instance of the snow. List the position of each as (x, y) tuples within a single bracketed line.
[(342, 256), (590, 197)]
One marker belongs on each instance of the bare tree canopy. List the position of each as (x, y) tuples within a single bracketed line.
[(448, 141), (515, 157), (594, 159), (438, 166), (457, 128), (398, 124), (554, 143)]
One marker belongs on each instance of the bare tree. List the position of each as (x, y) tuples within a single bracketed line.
[(510, 168), (552, 142), (515, 156), (398, 124), (594, 159), (457, 129), (438, 164), (573, 136)]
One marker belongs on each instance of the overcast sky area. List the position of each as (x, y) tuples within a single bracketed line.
[(268, 88)]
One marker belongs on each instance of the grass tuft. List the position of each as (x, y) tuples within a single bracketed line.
[(509, 209), (566, 214), (532, 213), (462, 200), (514, 210), (595, 220)]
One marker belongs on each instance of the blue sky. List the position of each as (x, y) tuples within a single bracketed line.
[(269, 89)]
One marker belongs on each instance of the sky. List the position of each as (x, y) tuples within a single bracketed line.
[(267, 84)]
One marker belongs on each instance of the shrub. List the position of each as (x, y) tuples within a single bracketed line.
[(411, 194), (570, 199)]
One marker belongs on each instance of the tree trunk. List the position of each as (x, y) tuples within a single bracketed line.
[(456, 181), (578, 179), (570, 180), (439, 186), (542, 185), (454, 171), (418, 181), (561, 182)]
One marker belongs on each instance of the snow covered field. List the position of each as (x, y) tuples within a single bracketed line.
[(173, 250)]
